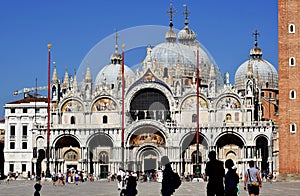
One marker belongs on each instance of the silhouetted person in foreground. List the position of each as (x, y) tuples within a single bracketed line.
[(231, 179), (37, 187), (167, 188), (215, 172)]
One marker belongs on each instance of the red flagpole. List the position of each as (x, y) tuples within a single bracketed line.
[(197, 105), (48, 118), (123, 119)]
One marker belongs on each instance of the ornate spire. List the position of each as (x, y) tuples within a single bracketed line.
[(250, 69), (88, 76), (66, 83), (75, 82), (54, 77), (212, 73)]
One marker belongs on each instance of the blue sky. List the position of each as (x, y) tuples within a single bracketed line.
[(74, 27)]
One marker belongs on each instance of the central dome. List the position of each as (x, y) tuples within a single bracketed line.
[(171, 53)]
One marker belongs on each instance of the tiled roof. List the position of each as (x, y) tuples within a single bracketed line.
[(29, 99)]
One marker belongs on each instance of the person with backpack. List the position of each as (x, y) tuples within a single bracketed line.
[(171, 180), (252, 180), (231, 179)]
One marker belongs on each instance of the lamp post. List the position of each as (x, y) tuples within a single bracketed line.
[(48, 116)]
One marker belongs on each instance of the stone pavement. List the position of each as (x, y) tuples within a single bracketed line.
[(103, 188)]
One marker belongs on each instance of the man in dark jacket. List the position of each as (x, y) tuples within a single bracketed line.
[(215, 172)]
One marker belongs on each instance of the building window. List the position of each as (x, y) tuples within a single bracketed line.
[(12, 110), (194, 118), (24, 131), (24, 110), (72, 120), (104, 119), (12, 130), (23, 167), (292, 61), (12, 145), (11, 167), (291, 28), (228, 117), (24, 145), (292, 94), (293, 128)]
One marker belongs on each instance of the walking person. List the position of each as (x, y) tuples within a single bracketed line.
[(231, 179), (215, 172), (37, 187), (252, 180), (167, 188)]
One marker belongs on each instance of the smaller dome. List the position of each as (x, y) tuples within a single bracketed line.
[(186, 36), (110, 73), (263, 71), (171, 36)]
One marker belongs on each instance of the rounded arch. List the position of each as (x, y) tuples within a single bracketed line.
[(229, 138), (104, 103), (100, 140), (148, 158), (66, 140), (260, 136), (147, 134), (72, 105), (149, 103), (262, 151), (189, 101), (228, 101), (190, 139), (130, 95)]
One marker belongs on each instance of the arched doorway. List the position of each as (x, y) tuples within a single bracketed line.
[(41, 156), (262, 153), (67, 153), (189, 154), (148, 159), (230, 146), (99, 155)]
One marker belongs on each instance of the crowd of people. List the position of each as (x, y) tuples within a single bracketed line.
[(220, 183)]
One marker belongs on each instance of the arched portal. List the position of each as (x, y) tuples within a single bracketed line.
[(148, 159), (99, 153), (262, 153), (145, 146), (189, 153), (230, 146), (150, 104), (41, 156), (63, 148)]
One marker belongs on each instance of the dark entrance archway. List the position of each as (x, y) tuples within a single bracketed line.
[(40, 158), (263, 152), (189, 152), (99, 154), (62, 149)]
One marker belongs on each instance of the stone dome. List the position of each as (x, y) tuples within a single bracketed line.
[(110, 73), (186, 36), (169, 54), (263, 71)]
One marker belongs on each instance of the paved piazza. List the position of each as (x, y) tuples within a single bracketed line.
[(25, 188)]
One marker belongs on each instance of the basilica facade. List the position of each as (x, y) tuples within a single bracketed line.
[(110, 120)]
